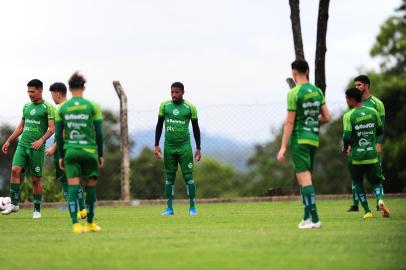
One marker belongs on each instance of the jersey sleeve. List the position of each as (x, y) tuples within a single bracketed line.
[(292, 99), (323, 99), (162, 109), (22, 116), (58, 117), (97, 112), (193, 112), (347, 121), (51, 111)]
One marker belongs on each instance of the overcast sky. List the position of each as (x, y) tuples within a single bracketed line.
[(224, 51)]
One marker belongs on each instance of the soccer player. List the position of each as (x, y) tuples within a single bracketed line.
[(361, 127), (306, 110), (362, 83), (58, 92), (177, 113), (79, 137), (36, 126)]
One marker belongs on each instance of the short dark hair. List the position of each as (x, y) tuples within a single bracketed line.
[(300, 65), (178, 85), (362, 78), (76, 81), (58, 87), (35, 83), (354, 93)]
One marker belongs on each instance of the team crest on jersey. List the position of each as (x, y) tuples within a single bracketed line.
[(190, 165), (33, 111), (37, 169), (175, 112)]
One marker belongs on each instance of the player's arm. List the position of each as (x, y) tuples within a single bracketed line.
[(381, 115), (346, 140), (324, 116), (59, 142), (17, 132), (158, 133), (51, 130), (51, 150), (196, 134), (287, 132), (98, 129)]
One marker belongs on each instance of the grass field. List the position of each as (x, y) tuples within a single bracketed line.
[(223, 236)]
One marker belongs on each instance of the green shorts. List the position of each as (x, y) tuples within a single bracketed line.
[(372, 172), (182, 155), (303, 156), (30, 159), (81, 163)]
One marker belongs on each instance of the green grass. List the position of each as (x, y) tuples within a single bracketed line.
[(223, 236)]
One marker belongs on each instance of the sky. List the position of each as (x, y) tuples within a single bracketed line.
[(224, 51)]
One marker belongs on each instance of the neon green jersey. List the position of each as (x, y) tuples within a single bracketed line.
[(306, 100), (375, 103), (36, 117), (177, 119), (361, 126), (78, 116)]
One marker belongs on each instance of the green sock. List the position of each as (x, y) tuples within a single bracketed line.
[(81, 198), (90, 203), (306, 209), (65, 190), (73, 202), (362, 196), (310, 194), (354, 194), (15, 193), (378, 191), (190, 189), (37, 202), (169, 192)]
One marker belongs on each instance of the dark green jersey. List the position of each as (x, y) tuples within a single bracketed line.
[(361, 126), (77, 116), (306, 100), (374, 102), (36, 117), (177, 119)]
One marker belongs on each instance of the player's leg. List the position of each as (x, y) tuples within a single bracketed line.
[(19, 162), (303, 159), (171, 161), (90, 172), (36, 165), (357, 173), (375, 178), (73, 172), (186, 165), (355, 202)]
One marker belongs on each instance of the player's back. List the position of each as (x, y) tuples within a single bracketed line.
[(363, 123), (306, 100), (78, 115)]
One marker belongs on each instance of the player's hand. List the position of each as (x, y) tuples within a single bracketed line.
[(198, 155), (5, 147), (281, 155), (62, 164), (379, 148), (157, 152), (50, 151), (37, 144), (101, 162)]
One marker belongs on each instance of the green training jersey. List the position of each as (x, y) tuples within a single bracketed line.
[(177, 119), (360, 129), (306, 100), (36, 117), (56, 154), (374, 102), (78, 116)]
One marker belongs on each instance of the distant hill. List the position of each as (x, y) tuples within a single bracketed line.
[(222, 148)]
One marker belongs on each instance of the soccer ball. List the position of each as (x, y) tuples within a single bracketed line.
[(4, 202)]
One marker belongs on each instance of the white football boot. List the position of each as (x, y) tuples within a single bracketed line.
[(36, 215)]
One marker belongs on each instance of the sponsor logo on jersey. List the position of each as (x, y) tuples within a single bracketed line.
[(363, 142), (363, 117), (311, 104), (31, 121), (76, 125), (33, 111), (77, 108), (364, 126), (75, 135), (175, 112), (76, 116), (174, 121)]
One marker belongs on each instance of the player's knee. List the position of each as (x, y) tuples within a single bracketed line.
[(15, 171), (170, 177), (188, 177), (91, 182)]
